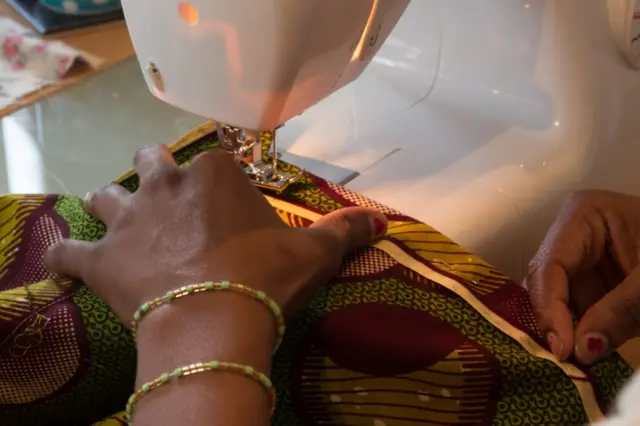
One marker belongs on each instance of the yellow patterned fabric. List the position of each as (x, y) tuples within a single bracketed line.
[(413, 330)]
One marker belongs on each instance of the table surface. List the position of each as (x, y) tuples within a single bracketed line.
[(80, 138), (109, 42), (85, 136)]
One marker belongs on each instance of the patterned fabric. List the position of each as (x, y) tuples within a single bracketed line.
[(24, 50), (28, 62), (413, 330)]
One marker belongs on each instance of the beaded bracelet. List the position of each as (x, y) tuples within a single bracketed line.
[(200, 367), (172, 295)]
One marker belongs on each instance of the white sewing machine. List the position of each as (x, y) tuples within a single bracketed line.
[(474, 116), (254, 65)]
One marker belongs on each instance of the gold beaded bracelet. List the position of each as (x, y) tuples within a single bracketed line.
[(187, 290), (200, 367)]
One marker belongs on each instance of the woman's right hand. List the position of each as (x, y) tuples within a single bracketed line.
[(587, 269), (205, 222)]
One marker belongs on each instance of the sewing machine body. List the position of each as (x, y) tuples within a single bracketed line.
[(476, 117), (255, 65), (479, 117)]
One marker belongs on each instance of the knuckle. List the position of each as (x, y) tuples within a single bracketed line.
[(537, 265), (106, 194), (215, 157), (56, 250), (346, 226), (166, 177), (87, 203), (101, 192), (114, 189), (341, 223), (586, 198), (152, 151), (140, 154), (528, 280), (536, 292), (578, 198), (54, 255), (628, 311), (324, 253), (216, 164)]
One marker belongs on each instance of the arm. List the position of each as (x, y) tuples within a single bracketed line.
[(201, 328)]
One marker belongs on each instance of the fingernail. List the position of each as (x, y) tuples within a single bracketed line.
[(379, 227), (86, 204), (591, 347), (555, 344)]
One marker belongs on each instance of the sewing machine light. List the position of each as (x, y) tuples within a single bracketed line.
[(253, 65), (188, 13)]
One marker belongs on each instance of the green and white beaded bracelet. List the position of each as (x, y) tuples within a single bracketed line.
[(212, 366), (187, 290)]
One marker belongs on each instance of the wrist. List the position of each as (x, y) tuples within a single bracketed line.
[(221, 326)]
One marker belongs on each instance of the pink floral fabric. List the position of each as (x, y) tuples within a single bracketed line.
[(22, 50), (27, 62)]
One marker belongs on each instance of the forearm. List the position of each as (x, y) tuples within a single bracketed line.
[(201, 328)]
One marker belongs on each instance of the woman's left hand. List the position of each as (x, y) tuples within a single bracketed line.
[(587, 271)]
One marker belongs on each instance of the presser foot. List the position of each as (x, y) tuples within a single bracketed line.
[(263, 176), (246, 147)]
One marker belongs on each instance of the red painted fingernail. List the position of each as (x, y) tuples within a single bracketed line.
[(595, 345), (555, 344), (591, 347), (379, 227)]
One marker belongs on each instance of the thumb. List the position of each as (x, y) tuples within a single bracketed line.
[(352, 227), (610, 322), (68, 258)]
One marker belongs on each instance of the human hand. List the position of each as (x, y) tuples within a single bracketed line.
[(202, 223), (587, 269)]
